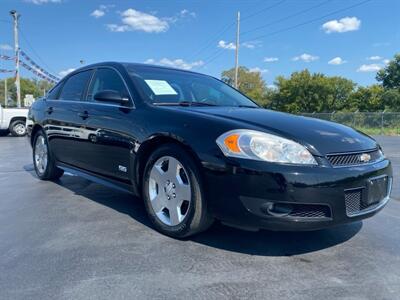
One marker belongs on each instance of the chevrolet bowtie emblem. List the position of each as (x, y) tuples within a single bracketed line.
[(365, 157)]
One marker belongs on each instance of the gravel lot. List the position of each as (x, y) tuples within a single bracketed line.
[(78, 240)]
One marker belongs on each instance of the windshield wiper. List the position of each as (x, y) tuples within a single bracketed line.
[(248, 106), (183, 103)]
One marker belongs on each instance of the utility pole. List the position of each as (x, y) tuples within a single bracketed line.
[(237, 51), (5, 93), (16, 16)]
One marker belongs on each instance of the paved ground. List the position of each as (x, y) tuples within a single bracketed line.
[(78, 240)]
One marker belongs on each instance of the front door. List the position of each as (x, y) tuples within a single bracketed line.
[(109, 126)]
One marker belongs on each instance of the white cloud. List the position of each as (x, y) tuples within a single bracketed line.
[(225, 45), (337, 61), (101, 11), (39, 2), (386, 61), (342, 25), (370, 68), (5, 47), (176, 63), (186, 13), (306, 57), (98, 13), (232, 46), (251, 45), (375, 57), (258, 70), (270, 59), (381, 44), (65, 72), (134, 20)]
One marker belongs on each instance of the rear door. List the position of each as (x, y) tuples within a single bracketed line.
[(109, 125), (65, 126)]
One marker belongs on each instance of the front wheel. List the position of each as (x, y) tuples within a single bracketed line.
[(18, 128), (43, 161), (173, 194)]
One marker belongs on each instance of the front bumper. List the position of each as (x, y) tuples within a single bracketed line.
[(252, 195)]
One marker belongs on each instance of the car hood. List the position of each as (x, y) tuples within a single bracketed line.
[(321, 137)]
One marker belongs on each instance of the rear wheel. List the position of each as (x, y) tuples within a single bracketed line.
[(43, 161), (173, 193), (18, 128)]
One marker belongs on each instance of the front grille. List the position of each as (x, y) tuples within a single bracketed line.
[(310, 211), (353, 201), (355, 158), (355, 204)]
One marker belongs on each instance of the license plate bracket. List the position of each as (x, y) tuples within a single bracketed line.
[(377, 190)]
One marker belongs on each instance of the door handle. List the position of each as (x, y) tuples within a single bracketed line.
[(50, 110), (84, 115)]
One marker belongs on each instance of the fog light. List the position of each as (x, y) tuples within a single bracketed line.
[(277, 209)]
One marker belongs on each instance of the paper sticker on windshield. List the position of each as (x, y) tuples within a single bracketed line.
[(161, 87)]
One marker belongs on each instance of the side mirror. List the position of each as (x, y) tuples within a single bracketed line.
[(110, 96)]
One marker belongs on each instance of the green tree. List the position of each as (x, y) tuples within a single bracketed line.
[(367, 98), (390, 75), (306, 92), (249, 83), (37, 88), (391, 99), (10, 83)]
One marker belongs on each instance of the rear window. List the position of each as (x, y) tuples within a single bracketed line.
[(53, 94), (75, 86)]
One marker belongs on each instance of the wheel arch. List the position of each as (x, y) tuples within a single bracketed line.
[(151, 144), (23, 119), (35, 129)]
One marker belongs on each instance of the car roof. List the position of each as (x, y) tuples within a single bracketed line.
[(130, 65)]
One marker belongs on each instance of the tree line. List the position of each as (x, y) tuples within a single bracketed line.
[(306, 92), (301, 92), (34, 87)]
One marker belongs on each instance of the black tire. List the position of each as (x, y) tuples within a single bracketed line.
[(4, 132), (50, 172), (197, 218), (15, 128)]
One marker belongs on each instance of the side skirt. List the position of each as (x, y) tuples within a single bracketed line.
[(111, 183)]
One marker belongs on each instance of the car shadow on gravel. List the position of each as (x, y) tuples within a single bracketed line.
[(263, 242)]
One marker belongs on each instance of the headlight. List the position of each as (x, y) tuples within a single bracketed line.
[(258, 145)]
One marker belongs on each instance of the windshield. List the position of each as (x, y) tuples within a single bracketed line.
[(173, 87)]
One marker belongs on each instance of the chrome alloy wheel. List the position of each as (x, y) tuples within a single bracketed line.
[(41, 158), (169, 191), (20, 129)]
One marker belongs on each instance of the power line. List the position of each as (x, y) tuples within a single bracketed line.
[(262, 10), (287, 17), (308, 22), (214, 56), (230, 25), (211, 41), (34, 52)]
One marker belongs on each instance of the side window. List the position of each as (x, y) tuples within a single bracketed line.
[(106, 79), (53, 94), (75, 86)]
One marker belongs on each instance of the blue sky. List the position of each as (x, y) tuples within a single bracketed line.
[(278, 37)]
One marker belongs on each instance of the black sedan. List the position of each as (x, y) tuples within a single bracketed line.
[(197, 150)]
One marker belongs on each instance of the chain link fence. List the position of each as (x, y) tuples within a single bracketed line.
[(386, 123)]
